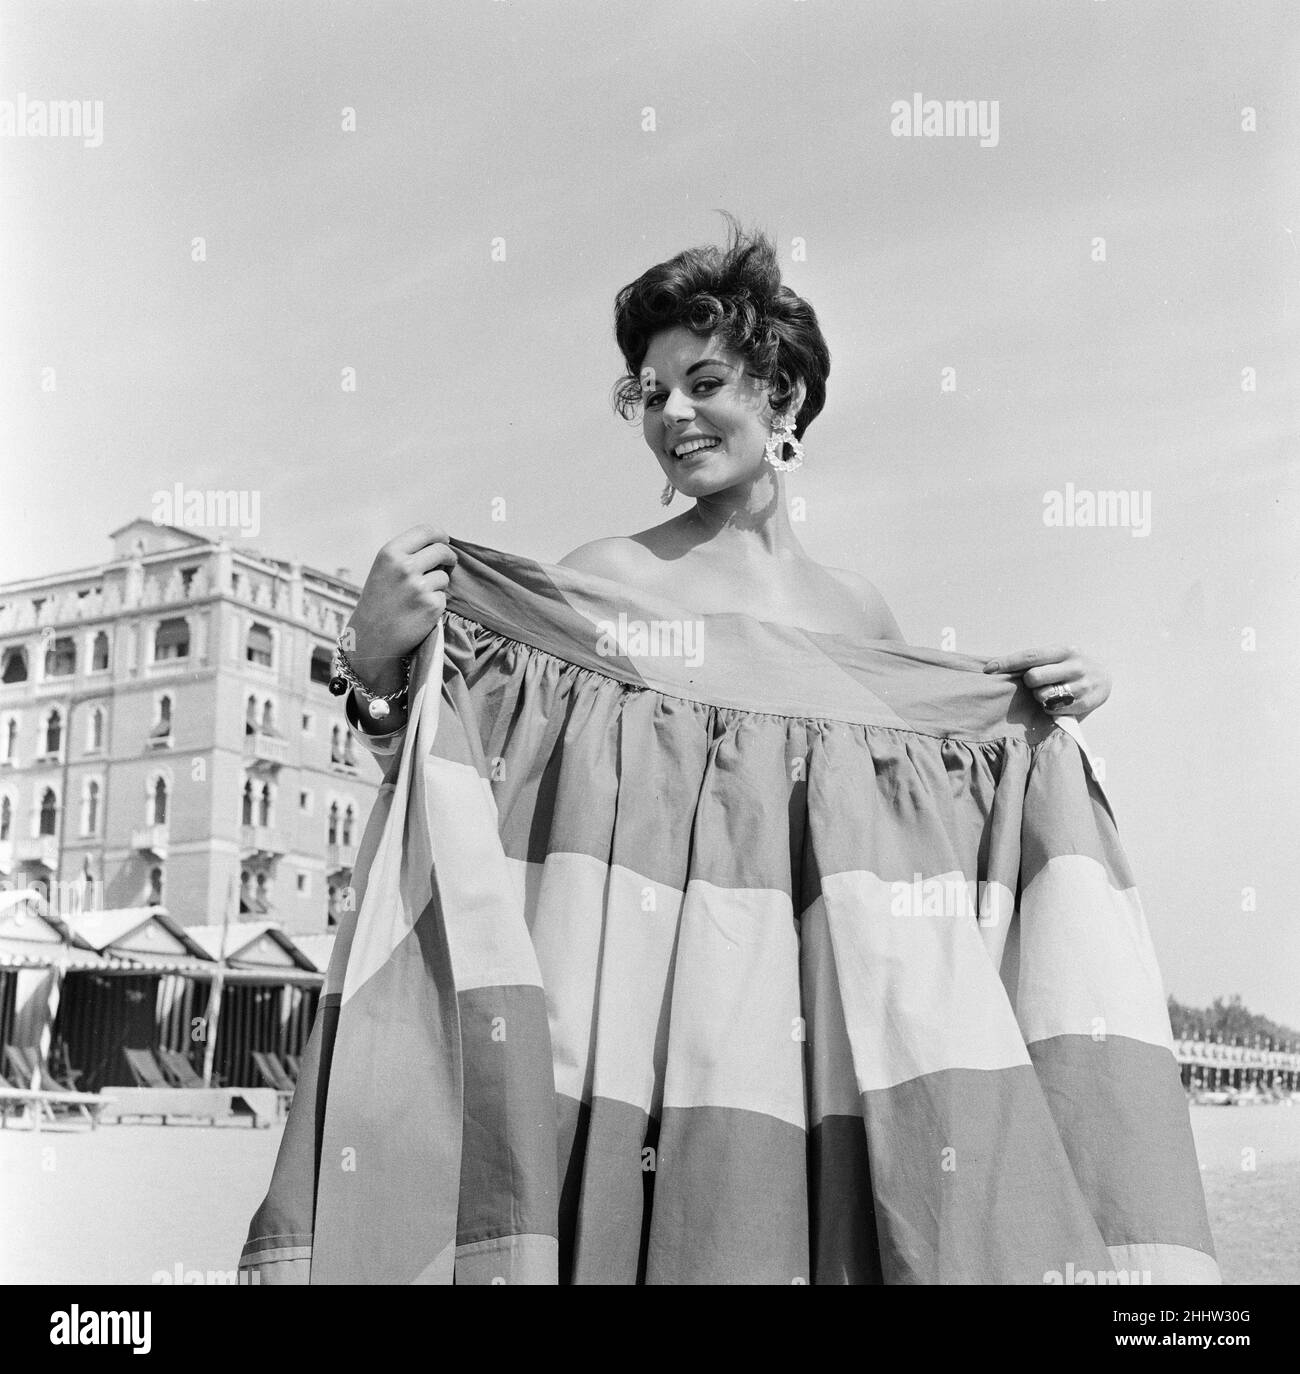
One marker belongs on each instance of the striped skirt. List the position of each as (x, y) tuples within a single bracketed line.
[(699, 949)]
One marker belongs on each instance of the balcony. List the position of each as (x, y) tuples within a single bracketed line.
[(340, 856), (261, 840), (152, 839), (272, 749), (43, 850)]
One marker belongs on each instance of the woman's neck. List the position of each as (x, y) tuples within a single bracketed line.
[(746, 519)]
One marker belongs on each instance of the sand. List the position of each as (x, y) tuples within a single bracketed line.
[(125, 1203)]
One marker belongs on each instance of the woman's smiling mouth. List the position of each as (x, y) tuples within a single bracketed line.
[(701, 444)]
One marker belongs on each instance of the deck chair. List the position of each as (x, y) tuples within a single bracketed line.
[(25, 1066), (290, 1078), (273, 1075), (176, 1065), (144, 1069)]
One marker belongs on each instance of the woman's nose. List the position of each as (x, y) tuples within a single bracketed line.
[(677, 407)]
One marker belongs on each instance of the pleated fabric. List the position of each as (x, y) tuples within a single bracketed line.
[(698, 949)]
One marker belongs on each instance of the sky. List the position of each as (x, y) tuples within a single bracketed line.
[(181, 301)]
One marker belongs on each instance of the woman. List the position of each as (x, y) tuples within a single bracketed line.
[(707, 933), (718, 353)]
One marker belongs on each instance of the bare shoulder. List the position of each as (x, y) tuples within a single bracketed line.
[(868, 596), (617, 557)]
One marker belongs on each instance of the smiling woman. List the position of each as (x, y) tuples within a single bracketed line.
[(648, 982)]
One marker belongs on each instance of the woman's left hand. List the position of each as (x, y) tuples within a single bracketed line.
[(1047, 671)]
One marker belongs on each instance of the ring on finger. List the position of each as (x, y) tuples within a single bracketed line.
[(1057, 696)]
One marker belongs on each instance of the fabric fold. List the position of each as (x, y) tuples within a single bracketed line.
[(698, 949)]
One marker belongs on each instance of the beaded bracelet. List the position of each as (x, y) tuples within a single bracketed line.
[(345, 677)]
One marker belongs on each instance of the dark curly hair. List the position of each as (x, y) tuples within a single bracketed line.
[(737, 292)]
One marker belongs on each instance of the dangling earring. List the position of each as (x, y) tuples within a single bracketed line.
[(782, 434), (666, 496)]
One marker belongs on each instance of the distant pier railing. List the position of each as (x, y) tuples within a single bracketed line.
[(1217, 1066)]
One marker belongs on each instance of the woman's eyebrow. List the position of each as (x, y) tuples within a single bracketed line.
[(703, 362)]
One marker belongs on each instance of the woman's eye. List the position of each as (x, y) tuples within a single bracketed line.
[(707, 381)]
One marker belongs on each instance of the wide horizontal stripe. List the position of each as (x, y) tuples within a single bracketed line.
[(518, 1259), (919, 992), (1086, 962), (508, 1181), (608, 1156), (479, 894), (730, 1200), (392, 1111), (1165, 1264), (736, 1027), (842, 1213), (1121, 1111), (971, 1182), (1068, 813)]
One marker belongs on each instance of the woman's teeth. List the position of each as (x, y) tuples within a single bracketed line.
[(693, 446)]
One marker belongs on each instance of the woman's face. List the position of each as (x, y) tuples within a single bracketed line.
[(697, 395)]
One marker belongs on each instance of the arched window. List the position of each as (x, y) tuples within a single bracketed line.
[(322, 665), (264, 811), (49, 823), (172, 639), (11, 739), (245, 891), (250, 716), (95, 741), (334, 823), (99, 653), (246, 817), (259, 645), (61, 657), (336, 745), (15, 665), (348, 817), (331, 907), (6, 817), (268, 719), (348, 755), (158, 802), (53, 732), (155, 887), (262, 902), (91, 820)]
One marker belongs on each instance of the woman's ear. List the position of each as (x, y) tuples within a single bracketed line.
[(796, 401)]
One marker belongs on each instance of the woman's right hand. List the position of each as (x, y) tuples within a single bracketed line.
[(404, 595)]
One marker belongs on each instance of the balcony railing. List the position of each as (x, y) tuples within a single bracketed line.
[(150, 839), (269, 748), (340, 855), (43, 850), (261, 839)]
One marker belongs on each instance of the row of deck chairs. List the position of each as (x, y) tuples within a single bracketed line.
[(172, 1069), (27, 1084), (161, 1069)]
